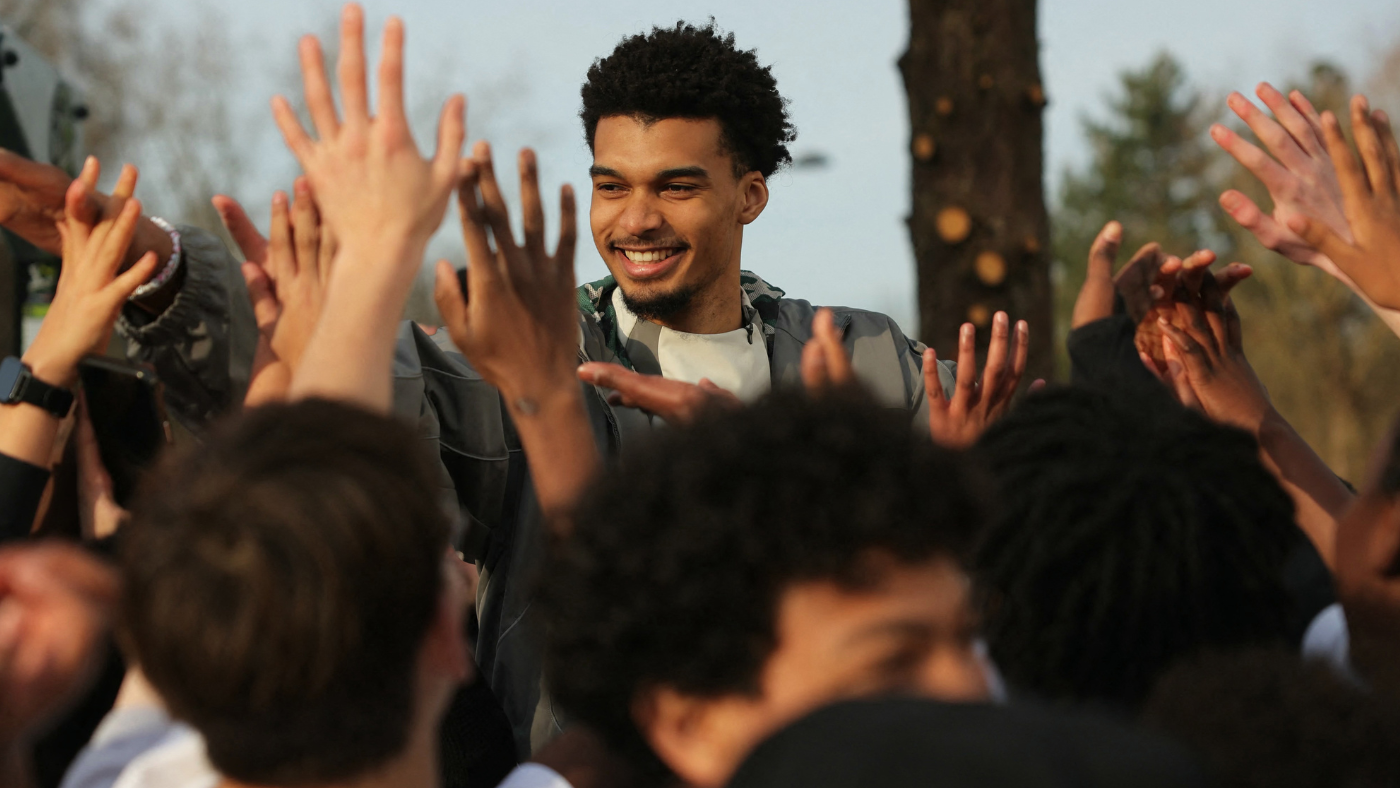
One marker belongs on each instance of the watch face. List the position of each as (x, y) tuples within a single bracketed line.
[(10, 371)]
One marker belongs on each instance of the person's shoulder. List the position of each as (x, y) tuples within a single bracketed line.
[(795, 316)]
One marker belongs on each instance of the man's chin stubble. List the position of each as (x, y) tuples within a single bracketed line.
[(660, 307)]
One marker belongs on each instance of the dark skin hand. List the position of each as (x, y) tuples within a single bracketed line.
[(32, 206), (1368, 571), (1371, 200)]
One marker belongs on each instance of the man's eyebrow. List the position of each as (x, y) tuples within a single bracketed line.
[(606, 172), (682, 172)]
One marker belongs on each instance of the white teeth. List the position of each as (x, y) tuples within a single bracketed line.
[(649, 256)]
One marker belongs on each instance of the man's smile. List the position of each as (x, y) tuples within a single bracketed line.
[(651, 262)]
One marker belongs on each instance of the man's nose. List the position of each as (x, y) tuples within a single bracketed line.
[(641, 215)]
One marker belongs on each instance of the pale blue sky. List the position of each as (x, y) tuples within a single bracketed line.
[(834, 235)]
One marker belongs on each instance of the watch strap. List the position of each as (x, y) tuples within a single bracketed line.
[(30, 390)]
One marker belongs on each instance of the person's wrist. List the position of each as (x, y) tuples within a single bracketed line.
[(544, 396), (53, 368)]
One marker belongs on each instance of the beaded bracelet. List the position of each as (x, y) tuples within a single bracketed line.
[(160, 279)]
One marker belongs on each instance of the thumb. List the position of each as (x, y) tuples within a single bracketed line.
[(1320, 237), (1095, 300), (447, 293)]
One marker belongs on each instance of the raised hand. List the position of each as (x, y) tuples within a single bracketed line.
[(518, 324), (379, 198), (375, 191), (959, 422), (56, 603), (33, 200), (1210, 372), (1367, 249), (1301, 178), (287, 279), (1299, 175), (90, 291), (825, 365), (1368, 583), (1208, 365)]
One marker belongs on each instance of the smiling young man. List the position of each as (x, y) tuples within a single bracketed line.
[(685, 129)]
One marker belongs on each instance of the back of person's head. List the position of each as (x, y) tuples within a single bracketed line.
[(696, 72), (1264, 717), (1126, 539), (280, 579), (676, 572)]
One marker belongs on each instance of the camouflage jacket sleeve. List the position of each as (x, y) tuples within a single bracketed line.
[(202, 345)]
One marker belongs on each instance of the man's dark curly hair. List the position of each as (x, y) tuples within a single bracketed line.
[(1265, 718), (1126, 538), (694, 72), (673, 574)]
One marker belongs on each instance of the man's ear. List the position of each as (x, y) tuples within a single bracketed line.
[(753, 189), (445, 648), (700, 739)]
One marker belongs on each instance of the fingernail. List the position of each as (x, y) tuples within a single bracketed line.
[(1156, 291), (1162, 321), (1114, 231)]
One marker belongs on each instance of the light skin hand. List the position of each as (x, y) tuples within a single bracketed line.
[(1302, 182), (959, 422), (1370, 253), (89, 296), (825, 365), (55, 604), (674, 401), (34, 202), (375, 191), (518, 325), (379, 198), (98, 511)]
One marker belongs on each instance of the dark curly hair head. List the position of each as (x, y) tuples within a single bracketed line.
[(694, 72), (673, 574), (1263, 718), (1126, 539)]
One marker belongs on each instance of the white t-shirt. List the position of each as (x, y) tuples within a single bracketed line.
[(141, 747), (736, 361)]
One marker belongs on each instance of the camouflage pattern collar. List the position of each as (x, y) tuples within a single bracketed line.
[(595, 301)]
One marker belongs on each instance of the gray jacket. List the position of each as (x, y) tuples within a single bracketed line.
[(202, 348)]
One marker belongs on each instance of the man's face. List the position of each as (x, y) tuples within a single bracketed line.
[(913, 633), (668, 212)]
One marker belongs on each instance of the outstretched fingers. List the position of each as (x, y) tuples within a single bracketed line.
[(1350, 175), (391, 111), (998, 352), (452, 133), (295, 137), (568, 236), (965, 388), (482, 263), (1392, 148), (1290, 118), (1373, 155), (532, 209), (493, 203), (279, 249), (1279, 142), (1264, 167), (350, 67), (320, 103)]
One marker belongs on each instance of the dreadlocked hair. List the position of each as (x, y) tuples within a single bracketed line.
[(1126, 539), (694, 72)]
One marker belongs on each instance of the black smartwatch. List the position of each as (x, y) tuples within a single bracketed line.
[(18, 384)]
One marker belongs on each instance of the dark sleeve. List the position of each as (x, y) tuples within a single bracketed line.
[(21, 488), (1103, 357), (202, 345)]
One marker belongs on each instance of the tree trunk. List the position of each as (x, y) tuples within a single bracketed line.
[(978, 222)]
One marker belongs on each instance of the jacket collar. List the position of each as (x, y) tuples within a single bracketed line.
[(595, 301)]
